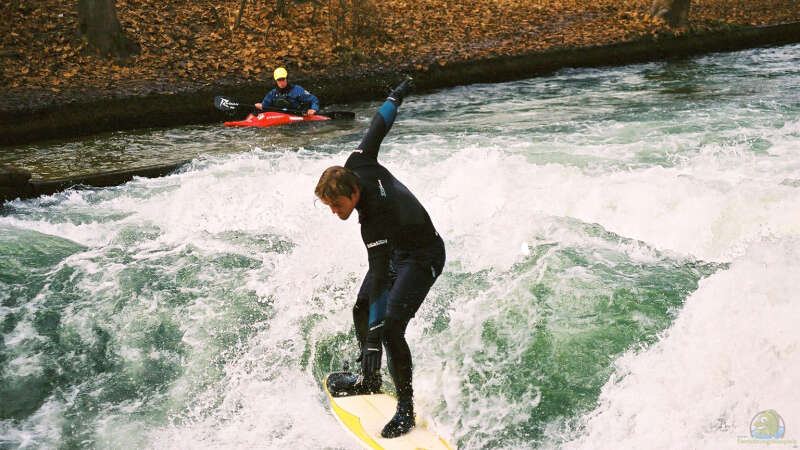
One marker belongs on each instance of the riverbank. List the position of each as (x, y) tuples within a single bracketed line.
[(191, 103), (343, 52)]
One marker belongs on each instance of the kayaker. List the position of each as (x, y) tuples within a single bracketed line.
[(406, 256), (287, 95)]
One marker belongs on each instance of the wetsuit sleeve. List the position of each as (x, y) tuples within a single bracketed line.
[(304, 98), (378, 254), (309, 98), (382, 120), (381, 124), (268, 98)]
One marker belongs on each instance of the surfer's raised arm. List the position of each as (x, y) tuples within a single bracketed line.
[(383, 119)]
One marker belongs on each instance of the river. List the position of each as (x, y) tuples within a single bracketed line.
[(623, 257)]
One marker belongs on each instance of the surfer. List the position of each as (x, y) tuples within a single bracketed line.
[(405, 255), (287, 95)]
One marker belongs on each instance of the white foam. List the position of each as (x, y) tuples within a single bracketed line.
[(41, 430), (732, 352), (489, 201), (260, 412)]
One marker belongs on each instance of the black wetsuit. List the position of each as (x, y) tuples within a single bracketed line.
[(405, 252)]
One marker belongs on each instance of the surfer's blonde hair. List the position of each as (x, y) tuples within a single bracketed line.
[(336, 181)]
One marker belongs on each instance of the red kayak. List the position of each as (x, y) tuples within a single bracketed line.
[(273, 119)]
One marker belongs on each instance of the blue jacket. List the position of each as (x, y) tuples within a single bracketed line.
[(297, 97)]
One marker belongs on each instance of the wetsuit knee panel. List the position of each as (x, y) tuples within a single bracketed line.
[(394, 329)]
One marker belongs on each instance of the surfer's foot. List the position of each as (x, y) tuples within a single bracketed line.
[(402, 422), (349, 384)]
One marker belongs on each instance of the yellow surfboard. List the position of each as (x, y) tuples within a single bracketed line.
[(365, 415)]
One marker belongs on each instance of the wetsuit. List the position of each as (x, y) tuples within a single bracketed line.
[(293, 95), (405, 252)]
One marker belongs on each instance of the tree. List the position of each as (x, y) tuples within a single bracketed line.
[(99, 27), (675, 12)]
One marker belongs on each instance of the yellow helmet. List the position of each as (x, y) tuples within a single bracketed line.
[(280, 72)]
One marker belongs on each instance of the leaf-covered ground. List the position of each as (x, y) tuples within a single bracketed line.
[(192, 43)]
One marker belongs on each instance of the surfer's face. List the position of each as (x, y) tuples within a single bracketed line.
[(342, 206), (281, 82)]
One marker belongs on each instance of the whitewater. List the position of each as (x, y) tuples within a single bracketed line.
[(623, 252)]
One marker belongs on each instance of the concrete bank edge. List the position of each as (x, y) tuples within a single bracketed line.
[(17, 183)]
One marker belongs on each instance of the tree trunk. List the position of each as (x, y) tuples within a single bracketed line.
[(675, 12), (280, 6), (239, 16), (99, 27)]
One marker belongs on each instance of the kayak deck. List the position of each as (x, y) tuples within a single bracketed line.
[(272, 119)]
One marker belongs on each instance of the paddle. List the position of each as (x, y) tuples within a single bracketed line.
[(230, 105)]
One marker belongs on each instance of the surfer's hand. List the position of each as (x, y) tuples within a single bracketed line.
[(371, 362), (258, 105), (371, 356), (311, 112), (402, 90)]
